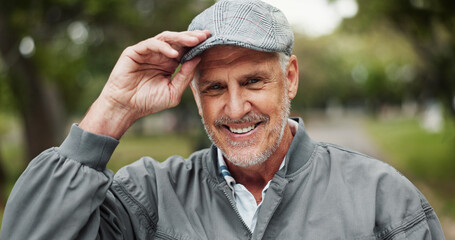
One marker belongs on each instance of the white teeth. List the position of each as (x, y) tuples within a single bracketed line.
[(241, 130)]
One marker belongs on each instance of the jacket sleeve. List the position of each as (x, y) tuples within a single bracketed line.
[(433, 229), (64, 194), (402, 212), (424, 225)]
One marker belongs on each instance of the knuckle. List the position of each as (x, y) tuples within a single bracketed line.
[(176, 100), (128, 50), (162, 34)]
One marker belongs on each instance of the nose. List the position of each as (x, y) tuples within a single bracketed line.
[(237, 104)]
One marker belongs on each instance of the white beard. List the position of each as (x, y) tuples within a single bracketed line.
[(238, 153)]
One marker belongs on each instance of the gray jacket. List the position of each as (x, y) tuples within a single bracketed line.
[(323, 192)]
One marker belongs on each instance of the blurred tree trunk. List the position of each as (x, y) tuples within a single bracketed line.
[(41, 117), (2, 182)]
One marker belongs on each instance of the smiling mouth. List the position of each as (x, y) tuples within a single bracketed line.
[(242, 130)]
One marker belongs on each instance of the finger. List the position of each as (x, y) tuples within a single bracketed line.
[(182, 79), (153, 45), (185, 39), (165, 65), (200, 34)]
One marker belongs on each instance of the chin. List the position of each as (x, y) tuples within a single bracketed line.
[(247, 158)]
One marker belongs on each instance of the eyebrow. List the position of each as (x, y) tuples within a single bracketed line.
[(256, 73), (205, 83)]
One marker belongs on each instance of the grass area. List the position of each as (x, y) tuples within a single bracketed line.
[(132, 148), (421, 155)]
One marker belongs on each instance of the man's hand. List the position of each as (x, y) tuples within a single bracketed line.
[(141, 84)]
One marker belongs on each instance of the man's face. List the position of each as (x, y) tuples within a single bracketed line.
[(243, 99)]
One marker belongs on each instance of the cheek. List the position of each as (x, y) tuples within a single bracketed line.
[(209, 109), (268, 103)]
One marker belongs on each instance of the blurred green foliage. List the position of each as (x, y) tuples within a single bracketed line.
[(415, 151), (428, 27), (422, 156), (367, 70)]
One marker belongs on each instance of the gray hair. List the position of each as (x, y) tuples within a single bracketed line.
[(284, 61)]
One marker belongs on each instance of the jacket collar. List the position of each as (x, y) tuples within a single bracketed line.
[(300, 151)]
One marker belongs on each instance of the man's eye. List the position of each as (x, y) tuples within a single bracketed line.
[(254, 83), (215, 87), (253, 80)]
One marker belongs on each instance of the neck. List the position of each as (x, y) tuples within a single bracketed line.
[(255, 177)]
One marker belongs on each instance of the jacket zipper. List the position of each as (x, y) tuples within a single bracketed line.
[(237, 211)]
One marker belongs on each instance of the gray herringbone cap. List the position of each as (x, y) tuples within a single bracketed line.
[(244, 23)]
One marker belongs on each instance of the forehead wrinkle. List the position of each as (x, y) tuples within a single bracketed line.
[(244, 65), (227, 54), (229, 60)]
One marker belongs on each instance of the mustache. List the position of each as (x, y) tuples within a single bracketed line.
[(249, 117)]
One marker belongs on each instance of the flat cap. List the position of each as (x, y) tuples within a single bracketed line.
[(251, 24)]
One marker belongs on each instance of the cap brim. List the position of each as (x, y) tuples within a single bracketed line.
[(216, 41)]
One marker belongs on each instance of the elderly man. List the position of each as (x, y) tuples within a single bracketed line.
[(263, 177)]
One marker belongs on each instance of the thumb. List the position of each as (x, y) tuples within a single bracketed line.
[(182, 79)]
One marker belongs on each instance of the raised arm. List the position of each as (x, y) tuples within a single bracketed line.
[(64, 192), (141, 84)]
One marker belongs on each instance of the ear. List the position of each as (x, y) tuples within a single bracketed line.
[(292, 76), (197, 98)]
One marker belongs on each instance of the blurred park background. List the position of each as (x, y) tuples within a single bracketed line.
[(376, 76)]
